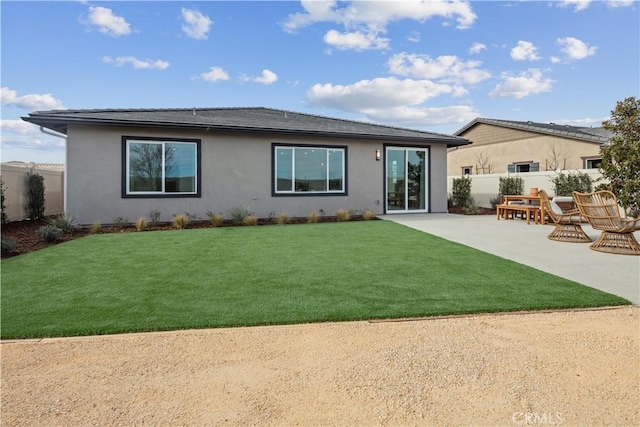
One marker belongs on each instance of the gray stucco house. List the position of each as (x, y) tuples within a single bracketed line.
[(126, 163)]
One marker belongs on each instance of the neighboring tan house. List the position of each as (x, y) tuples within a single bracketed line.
[(499, 146), (126, 163)]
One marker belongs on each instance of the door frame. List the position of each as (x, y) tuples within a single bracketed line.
[(427, 149)]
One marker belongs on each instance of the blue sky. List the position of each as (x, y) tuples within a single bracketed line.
[(431, 65)]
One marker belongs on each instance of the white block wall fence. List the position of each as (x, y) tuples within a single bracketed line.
[(485, 187)]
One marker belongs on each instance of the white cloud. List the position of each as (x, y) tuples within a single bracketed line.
[(107, 22), (576, 49), (136, 63), (268, 77), (215, 74), (578, 5), (31, 101), (381, 93), (20, 134), (524, 51), (527, 83), (355, 40), (477, 48), (448, 69), (373, 17), (620, 3), (555, 60), (424, 116), (414, 37), (196, 25)]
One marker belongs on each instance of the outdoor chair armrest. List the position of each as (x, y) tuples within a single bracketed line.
[(630, 225)]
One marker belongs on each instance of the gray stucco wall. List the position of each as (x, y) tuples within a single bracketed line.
[(235, 170)]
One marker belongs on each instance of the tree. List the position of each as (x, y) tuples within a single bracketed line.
[(621, 156), (483, 162), (557, 156)]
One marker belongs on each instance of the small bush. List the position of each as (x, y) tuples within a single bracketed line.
[(566, 184), (251, 220), (64, 222), (216, 219), (48, 233), (283, 218), (272, 217), (121, 223), (141, 224), (4, 219), (191, 217), (343, 215), (154, 216), (8, 245), (512, 185), (471, 207), (35, 195), (180, 221), (96, 227), (461, 191), (238, 214), (313, 217), (495, 200), (368, 215)]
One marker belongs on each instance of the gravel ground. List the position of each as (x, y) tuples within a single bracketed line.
[(563, 368)]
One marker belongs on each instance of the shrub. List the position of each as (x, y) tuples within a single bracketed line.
[(343, 215), (461, 191), (48, 233), (154, 216), (35, 195), (512, 185), (191, 217), (63, 222), (495, 200), (368, 215), (251, 220), (238, 214), (283, 218), (180, 221), (3, 212), (471, 207), (121, 223), (141, 224), (272, 216), (313, 217), (8, 245), (215, 219), (96, 227), (566, 184)]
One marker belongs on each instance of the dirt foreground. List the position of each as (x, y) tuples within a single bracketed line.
[(563, 368)]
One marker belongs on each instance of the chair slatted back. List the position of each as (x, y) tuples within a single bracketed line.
[(546, 203), (600, 209)]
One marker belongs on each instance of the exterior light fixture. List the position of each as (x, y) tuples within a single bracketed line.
[(378, 155)]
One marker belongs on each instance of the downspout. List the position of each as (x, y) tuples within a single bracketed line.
[(64, 175)]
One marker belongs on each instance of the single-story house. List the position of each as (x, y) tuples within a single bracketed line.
[(124, 163), (499, 146)]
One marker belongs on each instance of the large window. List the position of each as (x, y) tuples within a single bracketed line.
[(304, 170), (160, 167)]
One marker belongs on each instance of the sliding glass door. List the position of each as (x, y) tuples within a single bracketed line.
[(406, 179)]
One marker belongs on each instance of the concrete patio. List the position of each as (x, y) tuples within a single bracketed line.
[(528, 244)]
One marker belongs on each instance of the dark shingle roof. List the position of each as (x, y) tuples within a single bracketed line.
[(598, 135), (236, 119)]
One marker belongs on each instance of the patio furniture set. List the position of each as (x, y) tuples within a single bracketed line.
[(600, 209)]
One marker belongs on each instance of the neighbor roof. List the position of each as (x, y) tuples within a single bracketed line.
[(235, 119), (599, 135)]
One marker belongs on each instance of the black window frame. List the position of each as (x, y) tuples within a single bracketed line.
[(274, 172), (159, 139)]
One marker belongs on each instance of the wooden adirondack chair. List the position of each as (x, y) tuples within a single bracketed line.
[(568, 228), (603, 213)]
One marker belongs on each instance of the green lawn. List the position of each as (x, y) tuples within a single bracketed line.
[(265, 275)]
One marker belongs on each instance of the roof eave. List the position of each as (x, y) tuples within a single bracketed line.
[(60, 125)]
